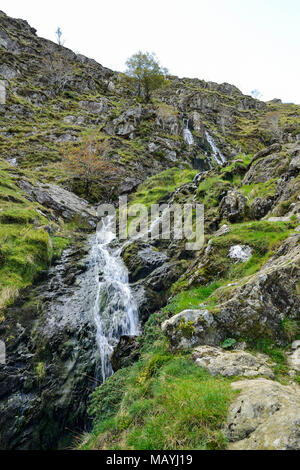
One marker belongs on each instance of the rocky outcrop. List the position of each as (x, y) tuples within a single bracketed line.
[(95, 107), (141, 259), (265, 153), (151, 293), (233, 206), (271, 166), (232, 363), (240, 253), (191, 328), (126, 352), (293, 357), (260, 207), (256, 308), (126, 124), (264, 416), (63, 203), (51, 356)]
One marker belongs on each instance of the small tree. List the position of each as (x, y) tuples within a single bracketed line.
[(145, 70), (58, 34), (86, 162), (256, 94)]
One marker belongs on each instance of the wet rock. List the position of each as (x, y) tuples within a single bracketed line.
[(264, 416), (231, 363), (200, 177), (51, 358), (126, 352), (164, 276), (147, 300), (151, 293), (141, 259), (233, 206)]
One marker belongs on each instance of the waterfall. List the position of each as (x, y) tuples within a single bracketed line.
[(115, 311), (188, 136), (216, 153)]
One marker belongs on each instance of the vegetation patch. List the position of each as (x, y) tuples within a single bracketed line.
[(218, 270), (157, 187), (189, 299), (262, 190), (26, 247), (163, 402)]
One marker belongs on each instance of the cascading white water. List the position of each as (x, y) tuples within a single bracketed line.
[(115, 310), (188, 136), (217, 154)]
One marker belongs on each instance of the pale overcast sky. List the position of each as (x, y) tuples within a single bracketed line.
[(253, 44)]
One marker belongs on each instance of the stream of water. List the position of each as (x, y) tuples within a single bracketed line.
[(115, 310), (216, 153), (188, 136)]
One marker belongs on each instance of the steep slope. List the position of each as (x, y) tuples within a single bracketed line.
[(173, 384), (53, 96)]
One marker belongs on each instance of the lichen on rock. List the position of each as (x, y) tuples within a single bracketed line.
[(264, 416)]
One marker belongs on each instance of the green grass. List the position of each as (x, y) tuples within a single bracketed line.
[(277, 355), (219, 270), (190, 299), (262, 190), (209, 190), (291, 328), (26, 248), (159, 186), (262, 236), (163, 402)]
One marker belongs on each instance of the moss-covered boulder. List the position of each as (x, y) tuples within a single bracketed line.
[(191, 328)]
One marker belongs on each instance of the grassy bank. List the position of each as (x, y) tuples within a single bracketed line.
[(163, 401)]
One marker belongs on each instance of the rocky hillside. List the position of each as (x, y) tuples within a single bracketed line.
[(219, 326)]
